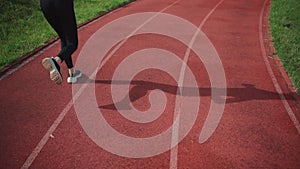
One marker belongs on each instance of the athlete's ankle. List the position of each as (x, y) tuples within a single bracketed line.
[(57, 59), (71, 70)]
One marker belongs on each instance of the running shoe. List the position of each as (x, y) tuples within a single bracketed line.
[(52, 66), (72, 77)]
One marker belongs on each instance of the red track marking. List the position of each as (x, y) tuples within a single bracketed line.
[(255, 131)]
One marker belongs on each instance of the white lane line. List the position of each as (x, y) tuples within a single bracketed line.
[(175, 132), (48, 134), (137, 29), (272, 75), (70, 104)]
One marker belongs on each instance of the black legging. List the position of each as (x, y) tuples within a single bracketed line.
[(61, 16)]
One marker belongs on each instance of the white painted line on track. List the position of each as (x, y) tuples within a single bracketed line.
[(70, 104), (272, 75), (48, 134), (174, 150)]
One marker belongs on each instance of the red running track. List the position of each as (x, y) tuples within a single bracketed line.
[(259, 128)]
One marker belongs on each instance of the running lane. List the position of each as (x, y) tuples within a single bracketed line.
[(40, 127)]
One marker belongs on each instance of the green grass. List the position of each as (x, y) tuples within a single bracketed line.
[(285, 29), (23, 27)]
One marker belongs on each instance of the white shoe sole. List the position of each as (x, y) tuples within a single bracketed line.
[(55, 76)]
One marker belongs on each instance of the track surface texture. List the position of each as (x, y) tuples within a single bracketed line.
[(248, 120)]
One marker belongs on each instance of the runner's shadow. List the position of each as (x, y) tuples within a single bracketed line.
[(140, 89), (84, 79)]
